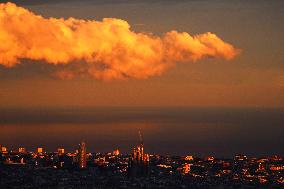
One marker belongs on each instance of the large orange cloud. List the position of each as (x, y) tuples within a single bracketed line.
[(110, 49)]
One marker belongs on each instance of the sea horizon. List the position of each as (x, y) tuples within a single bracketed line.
[(202, 131)]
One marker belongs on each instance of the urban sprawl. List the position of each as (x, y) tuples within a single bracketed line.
[(81, 169)]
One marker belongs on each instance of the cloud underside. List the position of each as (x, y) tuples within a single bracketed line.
[(109, 48)]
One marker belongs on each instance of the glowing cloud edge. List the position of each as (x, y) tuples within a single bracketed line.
[(108, 47)]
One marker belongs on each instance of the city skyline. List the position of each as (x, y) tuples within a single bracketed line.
[(171, 94), (138, 168)]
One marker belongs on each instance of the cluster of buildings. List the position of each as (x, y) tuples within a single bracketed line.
[(40, 158), (81, 169), (138, 164)]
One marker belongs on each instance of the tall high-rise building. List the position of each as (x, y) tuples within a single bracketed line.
[(139, 161), (22, 150), (82, 155), (4, 149), (116, 152), (39, 150), (60, 151)]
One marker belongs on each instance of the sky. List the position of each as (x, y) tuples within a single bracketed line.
[(250, 74), (221, 132)]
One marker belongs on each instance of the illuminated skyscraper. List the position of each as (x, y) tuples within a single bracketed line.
[(115, 152), (4, 149), (139, 162), (39, 150), (82, 155), (22, 150), (60, 151)]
